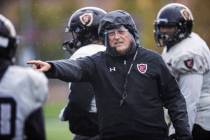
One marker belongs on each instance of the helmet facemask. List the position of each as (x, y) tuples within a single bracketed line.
[(166, 34)]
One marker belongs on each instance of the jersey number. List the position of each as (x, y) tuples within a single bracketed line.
[(7, 117)]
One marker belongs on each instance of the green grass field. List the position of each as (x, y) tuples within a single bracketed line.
[(55, 129)]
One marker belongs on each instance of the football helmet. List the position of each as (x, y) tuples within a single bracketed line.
[(8, 40), (173, 15), (83, 24)]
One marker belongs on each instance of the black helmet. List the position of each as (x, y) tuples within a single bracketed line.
[(173, 15), (83, 24), (115, 19), (8, 41)]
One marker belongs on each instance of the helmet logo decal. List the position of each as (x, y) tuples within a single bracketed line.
[(185, 14), (189, 63), (86, 19), (142, 68)]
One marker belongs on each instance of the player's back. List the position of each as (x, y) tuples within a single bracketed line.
[(22, 91)]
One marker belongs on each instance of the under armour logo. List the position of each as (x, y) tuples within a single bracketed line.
[(112, 69)]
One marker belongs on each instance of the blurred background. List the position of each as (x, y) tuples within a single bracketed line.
[(41, 23)]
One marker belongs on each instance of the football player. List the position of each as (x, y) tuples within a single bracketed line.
[(23, 92), (187, 56), (81, 111)]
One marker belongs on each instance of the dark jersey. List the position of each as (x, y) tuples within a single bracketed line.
[(81, 111)]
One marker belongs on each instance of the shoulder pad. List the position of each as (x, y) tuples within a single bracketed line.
[(190, 63), (39, 85), (88, 50), (29, 86)]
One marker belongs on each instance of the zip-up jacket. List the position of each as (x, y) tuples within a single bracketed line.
[(149, 86)]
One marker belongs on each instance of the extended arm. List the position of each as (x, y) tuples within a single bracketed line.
[(66, 70)]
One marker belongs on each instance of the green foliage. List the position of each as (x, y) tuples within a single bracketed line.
[(51, 15), (49, 18), (51, 50), (200, 10), (144, 13)]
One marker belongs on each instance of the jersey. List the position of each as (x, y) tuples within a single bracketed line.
[(189, 62), (81, 109), (88, 50), (22, 91)]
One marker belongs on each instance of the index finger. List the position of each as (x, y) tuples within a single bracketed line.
[(33, 62)]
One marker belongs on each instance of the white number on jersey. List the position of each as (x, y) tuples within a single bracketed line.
[(7, 117)]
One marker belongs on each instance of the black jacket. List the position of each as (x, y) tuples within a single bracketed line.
[(149, 87)]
